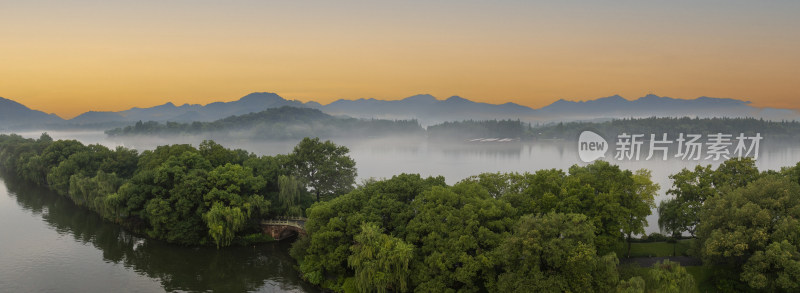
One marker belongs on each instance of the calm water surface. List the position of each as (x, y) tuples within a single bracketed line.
[(47, 244)]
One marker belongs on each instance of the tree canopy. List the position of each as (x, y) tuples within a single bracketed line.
[(756, 227), (179, 193), (490, 232), (324, 167)]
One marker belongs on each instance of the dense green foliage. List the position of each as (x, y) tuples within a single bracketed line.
[(548, 231), (379, 261), (746, 221), (674, 126), (692, 188), (669, 277), (554, 253), (180, 193), (279, 123), (756, 227)]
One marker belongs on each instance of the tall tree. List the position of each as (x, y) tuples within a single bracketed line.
[(691, 189), (672, 219), (325, 167), (638, 203)]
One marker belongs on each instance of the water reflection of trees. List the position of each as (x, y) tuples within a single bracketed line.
[(235, 269)]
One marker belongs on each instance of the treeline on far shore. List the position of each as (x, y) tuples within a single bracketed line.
[(282, 123), (295, 123), (775, 130)]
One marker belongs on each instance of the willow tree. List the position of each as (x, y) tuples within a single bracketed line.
[(290, 191), (223, 222), (381, 262)]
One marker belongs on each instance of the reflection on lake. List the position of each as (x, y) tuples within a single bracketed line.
[(50, 245)]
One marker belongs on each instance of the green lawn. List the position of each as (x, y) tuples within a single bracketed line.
[(658, 249)]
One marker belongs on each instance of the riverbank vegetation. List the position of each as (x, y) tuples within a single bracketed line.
[(179, 193)]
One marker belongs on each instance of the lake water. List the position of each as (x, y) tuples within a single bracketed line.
[(50, 245)]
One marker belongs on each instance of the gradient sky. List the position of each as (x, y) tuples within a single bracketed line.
[(69, 57)]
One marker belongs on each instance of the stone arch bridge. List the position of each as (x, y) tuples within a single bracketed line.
[(282, 228)]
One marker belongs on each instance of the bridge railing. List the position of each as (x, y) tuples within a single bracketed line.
[(298, 222)]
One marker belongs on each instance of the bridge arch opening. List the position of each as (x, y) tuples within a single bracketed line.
[(288, 233)]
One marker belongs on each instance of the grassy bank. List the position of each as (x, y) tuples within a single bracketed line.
[(655, 249)]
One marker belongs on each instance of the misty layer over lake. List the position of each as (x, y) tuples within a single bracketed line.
[(386, 157)]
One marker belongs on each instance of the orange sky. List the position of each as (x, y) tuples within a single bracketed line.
[(69, 57)]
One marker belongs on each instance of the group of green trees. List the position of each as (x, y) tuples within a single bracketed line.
[(554, 231), (548, 231), (747, 223), (180, 193)]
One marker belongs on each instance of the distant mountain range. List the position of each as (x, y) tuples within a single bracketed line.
[(425, 108), (13, 114), (652, 105), (428, 110)]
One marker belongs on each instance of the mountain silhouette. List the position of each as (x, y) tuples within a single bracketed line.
[(652, 105), (13, 115), (254, 102), (427, 109)]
